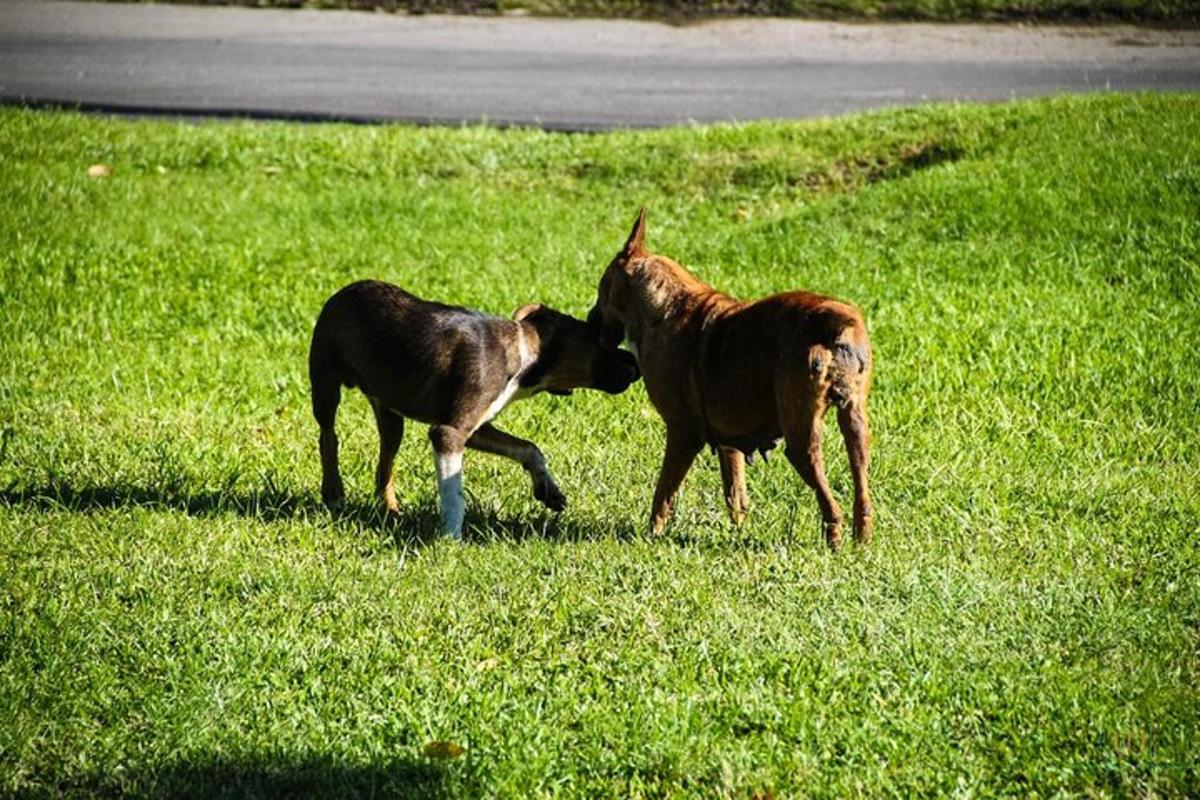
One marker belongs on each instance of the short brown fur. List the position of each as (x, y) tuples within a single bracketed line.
[(739, 376)]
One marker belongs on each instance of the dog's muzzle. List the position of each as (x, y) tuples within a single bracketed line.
[(609, 336), (616, 371)]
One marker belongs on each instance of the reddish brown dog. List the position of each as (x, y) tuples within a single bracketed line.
[(739, 376)]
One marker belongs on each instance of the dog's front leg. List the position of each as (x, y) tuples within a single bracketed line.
[(682, 449), (490, 439), (448, 443)]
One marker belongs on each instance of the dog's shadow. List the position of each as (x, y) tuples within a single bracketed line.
[(413, 526), (277, 777), (420, 525)]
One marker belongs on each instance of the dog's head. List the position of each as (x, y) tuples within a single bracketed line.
[(574, 355), (612, 300)]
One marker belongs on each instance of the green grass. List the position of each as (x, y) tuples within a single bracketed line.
[(180, 617), (1182, 12)]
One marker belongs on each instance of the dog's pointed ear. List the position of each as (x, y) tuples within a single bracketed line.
[(525, 311), (634, 245)]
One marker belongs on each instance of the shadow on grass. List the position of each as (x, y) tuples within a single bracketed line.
[(413, 526), (266, 777)]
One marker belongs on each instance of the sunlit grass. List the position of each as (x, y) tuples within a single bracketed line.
[(180, 617)]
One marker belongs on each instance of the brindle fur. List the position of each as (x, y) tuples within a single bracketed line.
[(451, 368), (740, 376)]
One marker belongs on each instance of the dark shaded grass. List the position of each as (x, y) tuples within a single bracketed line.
[(413, 526), (225, 777)]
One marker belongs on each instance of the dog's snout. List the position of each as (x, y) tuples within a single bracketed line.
[(631, 367), (610, 337), (617, 371)]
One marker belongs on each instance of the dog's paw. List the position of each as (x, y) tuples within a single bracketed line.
[(333, 494), (833, 535), (550, 496)]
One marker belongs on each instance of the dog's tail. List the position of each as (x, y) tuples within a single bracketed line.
[(840, 361)]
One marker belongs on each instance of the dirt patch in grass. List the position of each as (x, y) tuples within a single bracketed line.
[(847, 174)]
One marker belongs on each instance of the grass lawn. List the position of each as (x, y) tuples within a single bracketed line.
[(180, 617)]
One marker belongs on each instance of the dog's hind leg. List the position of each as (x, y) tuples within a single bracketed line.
[(677, 460), (489, 439), (733, 478), (802, 430), (852, 419), (391, 433), (448, 443), (326, 395)]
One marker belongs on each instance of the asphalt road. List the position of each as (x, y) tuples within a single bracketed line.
[(560, 74)]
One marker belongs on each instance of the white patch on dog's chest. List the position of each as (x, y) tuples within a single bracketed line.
[(512, 389)]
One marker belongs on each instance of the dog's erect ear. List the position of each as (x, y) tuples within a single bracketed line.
[(637, 237), (525, 311)]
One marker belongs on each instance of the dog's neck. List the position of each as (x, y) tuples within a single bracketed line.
[(529, 346), (535, 364), (665, 290), (518, 368)]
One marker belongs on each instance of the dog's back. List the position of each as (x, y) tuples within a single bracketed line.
[(396, 346), (786, 344)]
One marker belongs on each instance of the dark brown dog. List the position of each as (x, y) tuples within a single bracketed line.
[(454, 369), (740, 376)]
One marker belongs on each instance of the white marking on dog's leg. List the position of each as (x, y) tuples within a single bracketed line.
[(452, 505)]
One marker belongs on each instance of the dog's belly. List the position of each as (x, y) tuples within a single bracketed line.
[(407, 408), (441, 402), (739, 411), (762, 439), (465, 392), (429, 398)]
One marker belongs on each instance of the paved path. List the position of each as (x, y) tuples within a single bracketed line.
[(568, 74)]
